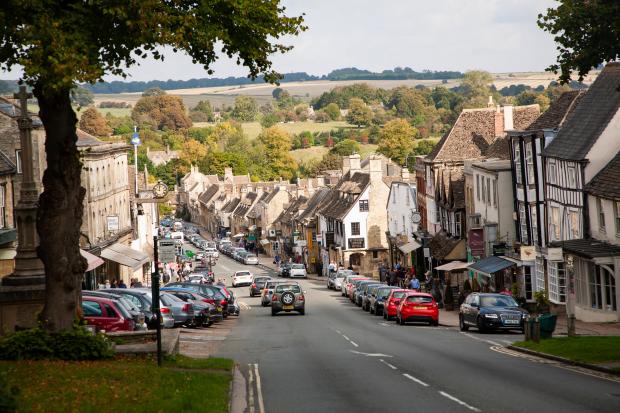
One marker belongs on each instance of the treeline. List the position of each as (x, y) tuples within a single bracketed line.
[(339, 74)]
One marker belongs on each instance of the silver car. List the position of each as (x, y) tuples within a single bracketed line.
[(250, 259), (265, 298), (288, 297)]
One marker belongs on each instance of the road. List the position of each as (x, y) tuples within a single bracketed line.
[(338, 358)]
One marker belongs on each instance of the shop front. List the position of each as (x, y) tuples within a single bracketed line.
[(494, 274)]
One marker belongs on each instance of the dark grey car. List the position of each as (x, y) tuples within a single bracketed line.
[(182, 312), (377, 300), (288, 297), (368, 292), (257, 285)]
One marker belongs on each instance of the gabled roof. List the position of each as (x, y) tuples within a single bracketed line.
[(252, 213), (6, 166), (558, 112), (230, 206), (344, 195), (606, 183), (313, 204), (291, 212), (208, 195), (271, 195), (86, 139), (450, 189), (590, 118), (475, 130)]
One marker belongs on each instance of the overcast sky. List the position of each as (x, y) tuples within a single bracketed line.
[(493, 35)]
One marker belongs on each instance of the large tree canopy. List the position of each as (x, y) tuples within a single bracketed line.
[(587, 34), (60, 44)]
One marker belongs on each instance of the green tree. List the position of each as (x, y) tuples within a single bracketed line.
[(161, 112), (154, 91), (59, 46), (476, 88), (216, 162), (345, 147), (82, 97), (333, 111), (204, 106), (359, 113), (587, 34), (396, 140), (193, 152), (423, 146), (269, 119), (277, 92), (276, 146), (245, 109)]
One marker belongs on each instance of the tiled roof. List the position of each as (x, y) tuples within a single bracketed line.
[(441, 244), (558, 112), (208, 195), (271, 195), (313, 204), (253, 213), (500, 148), (230, 205), (291, 212), (475, 130), (12, 110), (86, 139), (589, 248), (344, 195), (6, 166), (606, 183), (590, 118)]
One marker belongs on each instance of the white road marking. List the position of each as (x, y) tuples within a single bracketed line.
[(338, 331), (462, 403), (244, 306), (259, 391), (393, 367), (354, 343), (346, 338), (386, 324), (491, 342), (370, 354), (420, 382), (506, 341), (251, 389)]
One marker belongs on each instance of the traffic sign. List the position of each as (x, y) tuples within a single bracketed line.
[(189, 254), (167, 251), (135, 138)]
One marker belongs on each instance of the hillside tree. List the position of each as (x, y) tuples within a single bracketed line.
[(245, 109), (396, 140), (82, 97), (345, 147), (61, 45), (161, 112), (277, 144), (333, 111), (359, 113), (94, 123)]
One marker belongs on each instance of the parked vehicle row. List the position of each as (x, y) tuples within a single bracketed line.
[(239, 254), (280, 295)]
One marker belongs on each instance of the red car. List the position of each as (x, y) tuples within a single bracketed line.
[(106, 314), (418, 307), (392, 302)]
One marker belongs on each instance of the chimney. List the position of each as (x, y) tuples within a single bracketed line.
[(404, 173), (346, 164), (508, 118), (228, 174), (375, 169), (310, 187), (499, 123), (490, 104), (354, 163)]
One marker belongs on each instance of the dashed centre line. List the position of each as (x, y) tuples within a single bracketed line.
[(461, 402), (393, 367), (420, 382)]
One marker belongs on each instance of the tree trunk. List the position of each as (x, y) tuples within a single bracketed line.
[(59, 217)]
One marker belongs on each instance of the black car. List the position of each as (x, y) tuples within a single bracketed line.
[(488, 311)]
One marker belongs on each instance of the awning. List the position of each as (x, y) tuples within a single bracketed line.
[(453, 266), (490, 265), (410, 246), (519, 262), (239, 235), (93, 260), (264, 241), (126, 256), (252, 228)]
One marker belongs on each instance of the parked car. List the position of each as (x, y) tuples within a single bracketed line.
[(340, 276), (285, 269), (331, 280), (369, 290), (270, 286), (210, 292), (361, 290), (257, 285), (204, 312), (212, 252), (106, 314), (250, 259), (418, 307), (378, 299), (136, 313), (390, 307), (488, 311), (236, 252), (347, 283), (143, 300), (233, 307), (241, 278), (354, 288), (350, 287), (182, 312), (288, 297), (298, 271), (198, 278)]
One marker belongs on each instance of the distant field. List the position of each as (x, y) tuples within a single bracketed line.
[(115, 111), (317, 152), (253, 129)]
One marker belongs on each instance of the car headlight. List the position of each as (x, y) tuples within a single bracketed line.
[(490, 315)]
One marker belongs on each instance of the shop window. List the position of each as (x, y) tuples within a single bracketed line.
[(527, 274), (557, 282)]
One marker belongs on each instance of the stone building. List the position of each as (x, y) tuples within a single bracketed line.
[(8, 232)]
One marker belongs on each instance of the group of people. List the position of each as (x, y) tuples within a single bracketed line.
[(401, 277)]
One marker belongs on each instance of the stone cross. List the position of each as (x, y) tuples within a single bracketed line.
[(23, 97)]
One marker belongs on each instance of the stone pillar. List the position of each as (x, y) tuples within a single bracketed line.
[(29, 269)]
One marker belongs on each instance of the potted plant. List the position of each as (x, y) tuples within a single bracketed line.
[(542, 302)]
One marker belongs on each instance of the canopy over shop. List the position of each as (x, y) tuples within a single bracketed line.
[(494, 278)]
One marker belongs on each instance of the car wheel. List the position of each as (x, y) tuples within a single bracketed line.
[(371, 311), (462, 325), (400, 320), (273, 312), (480, 324), (302, 312)]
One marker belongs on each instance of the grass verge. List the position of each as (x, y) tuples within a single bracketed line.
[(126, 384), (591, 349)]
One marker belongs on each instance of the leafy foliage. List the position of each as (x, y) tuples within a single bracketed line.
[(587, 34), (396, 140), (245, 109), (276, 146), (161, 112), (82, 97), (8, 395), (92, 122), (359, 113), (345, 147), (38, 344)]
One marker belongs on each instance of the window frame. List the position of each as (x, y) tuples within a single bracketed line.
[(601, 214), (364, 205), (3, 220), (356, 228), (518, 166)]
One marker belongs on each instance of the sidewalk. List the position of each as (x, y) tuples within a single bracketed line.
[(587, 329)]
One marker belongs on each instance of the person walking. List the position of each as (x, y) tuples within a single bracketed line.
[(393, 277), (414, 284), (382, 273), (122, 284)]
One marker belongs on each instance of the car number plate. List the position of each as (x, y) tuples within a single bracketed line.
[(511, 322), (420, 308), (288, 307)]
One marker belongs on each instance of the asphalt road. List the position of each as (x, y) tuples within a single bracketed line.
[(338, 358)]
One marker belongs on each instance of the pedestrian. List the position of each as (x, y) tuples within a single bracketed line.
[(414, 283), (107, 284), (332, 267), (392, 277), (113, 285), (382, 273), (122, 284), (132, 283)]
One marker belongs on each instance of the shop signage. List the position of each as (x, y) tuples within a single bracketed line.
[(356, 243), (499, 249), (113, 223), (528, 252), (555, 254), (166, 251), (475, 239)]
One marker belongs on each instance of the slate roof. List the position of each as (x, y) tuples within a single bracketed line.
[(558, 112), (208, 195), (86, 139), (606, 183), (230, 205), (245, 205), (253, 210), (335, 205), (450, 190), (290, 213), (590, 118), (588, 248), (6, 166), (441, 244), (474, 131), (500, 148), (313, 204), (271, 195)]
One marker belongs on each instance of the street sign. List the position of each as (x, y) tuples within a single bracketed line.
[(189, 254), (135, 138), (112, 223), (167, 251)]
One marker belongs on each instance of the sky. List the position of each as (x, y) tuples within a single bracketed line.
[(492, 35)]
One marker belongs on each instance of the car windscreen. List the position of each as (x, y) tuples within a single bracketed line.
[(242, 273), (422, 299), (298, 266), (294, 288), (399, 294), (497, 301), (383, 292)]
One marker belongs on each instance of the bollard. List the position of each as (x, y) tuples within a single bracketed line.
[(536, 332), (528, 329)]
